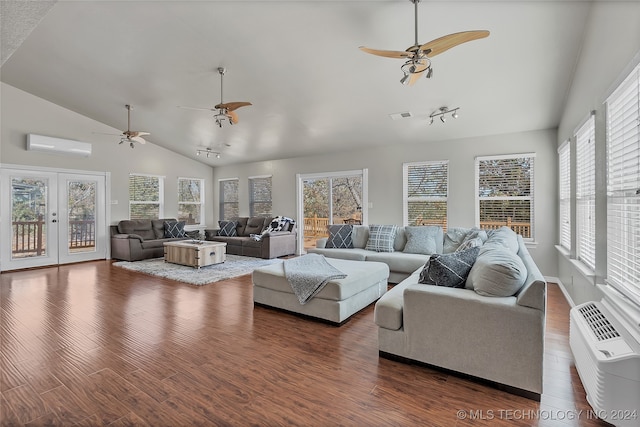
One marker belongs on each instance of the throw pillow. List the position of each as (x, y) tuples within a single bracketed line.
[(469, 243), (497, 273), (173, 229), (422, 239), (381, 238), (340, 237), (228, 228), (449, 270)]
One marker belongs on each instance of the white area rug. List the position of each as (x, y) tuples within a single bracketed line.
[(234, 266)]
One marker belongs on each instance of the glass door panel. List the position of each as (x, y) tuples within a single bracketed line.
[(316, 209), (346, 197)]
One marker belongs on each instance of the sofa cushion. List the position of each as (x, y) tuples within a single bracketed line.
[(228, 228), (141, 227), (174, 229), (449, 270), (360, 236), (340, 236), (501, 238), (255, 225), (400, 262), (497, 273), (354, 254), (381, 238), (423, 240)]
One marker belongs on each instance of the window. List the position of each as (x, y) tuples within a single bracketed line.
[(564, 172), (623, 187), (146, 196), (260, 196), (504, 189), (191, 200), (586, 193), (425, 186), (229, 198)]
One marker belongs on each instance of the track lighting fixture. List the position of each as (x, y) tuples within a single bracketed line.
[(441, 112), (208, 152)]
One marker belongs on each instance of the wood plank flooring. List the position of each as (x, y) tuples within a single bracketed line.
[(92, 345)]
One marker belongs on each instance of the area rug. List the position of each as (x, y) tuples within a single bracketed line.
[(234, 266)]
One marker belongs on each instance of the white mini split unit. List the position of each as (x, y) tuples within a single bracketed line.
[(48, 144), (607, 357)]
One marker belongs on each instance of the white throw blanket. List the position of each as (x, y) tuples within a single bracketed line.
[(308, 274)]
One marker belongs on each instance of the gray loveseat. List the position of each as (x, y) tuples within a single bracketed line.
[(138, 239), (492, 329), (272, 244)]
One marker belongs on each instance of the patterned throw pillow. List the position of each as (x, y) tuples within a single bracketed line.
[(381, 238), (449, 270), (340, 237), (173, 229), (422, 239), (228, 228)]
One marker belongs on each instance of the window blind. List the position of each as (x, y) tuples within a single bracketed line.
[(505, 192), (564, 173), (260, 196), (586, 193), (623, 187), (229, 207), (145, 196), (426, 191), (190, 200)]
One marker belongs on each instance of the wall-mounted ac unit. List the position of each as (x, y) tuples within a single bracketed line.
[(607, 358), (52, 145)]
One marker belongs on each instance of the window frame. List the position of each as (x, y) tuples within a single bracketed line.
[(564, 193), (586, 193), (201, 203), (221, 196), (406, 198), (159, 202), (252, 199), (531, 197), (623, 186)]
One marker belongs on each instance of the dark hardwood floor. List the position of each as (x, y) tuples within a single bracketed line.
[(91, 344)]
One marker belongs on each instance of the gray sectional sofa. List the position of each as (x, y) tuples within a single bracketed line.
[(491, 329)]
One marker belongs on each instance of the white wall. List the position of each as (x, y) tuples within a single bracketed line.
[(610, 50), (385, 180), (23, 113)]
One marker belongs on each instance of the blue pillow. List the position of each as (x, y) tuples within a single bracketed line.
[(173, 229), (228, 228)]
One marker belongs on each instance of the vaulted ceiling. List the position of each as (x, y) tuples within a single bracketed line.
[(299, 64)]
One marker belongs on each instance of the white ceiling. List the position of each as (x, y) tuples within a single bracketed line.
[(298, 62)]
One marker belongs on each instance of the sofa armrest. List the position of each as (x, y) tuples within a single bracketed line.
[(277, 233), (128, 236), (322, 243)]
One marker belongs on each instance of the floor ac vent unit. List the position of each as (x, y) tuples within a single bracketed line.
[(607, 357), (48, 144)]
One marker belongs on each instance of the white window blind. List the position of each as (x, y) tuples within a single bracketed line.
[(145, 196), (586, 193), (191, 200), (229, 207), (505, 193), (623, 187), (425, 193), (564, 173), (260, 196)]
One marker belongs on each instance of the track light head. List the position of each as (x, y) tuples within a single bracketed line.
[(442, 119), (455, 114), (431, 121), (405, 80), (430, 72), (217, 155)]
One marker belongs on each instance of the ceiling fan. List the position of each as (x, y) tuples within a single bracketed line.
[(225, 110), (418, 57), (130, 136)]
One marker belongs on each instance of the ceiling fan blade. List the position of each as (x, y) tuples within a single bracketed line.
[(197, 108), (387, 53), (230, 106), (137, 139), (444, 43), (134, 133), (232, 116)]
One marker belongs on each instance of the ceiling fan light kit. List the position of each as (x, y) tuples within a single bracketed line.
[(441, 113), (418, 57)]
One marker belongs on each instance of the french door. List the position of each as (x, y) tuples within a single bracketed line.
[(51, 218), (330, 198)]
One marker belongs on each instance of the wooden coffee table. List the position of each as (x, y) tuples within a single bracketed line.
[(195, 253)]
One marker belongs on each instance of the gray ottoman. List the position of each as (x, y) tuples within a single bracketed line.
[(336, 302)]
